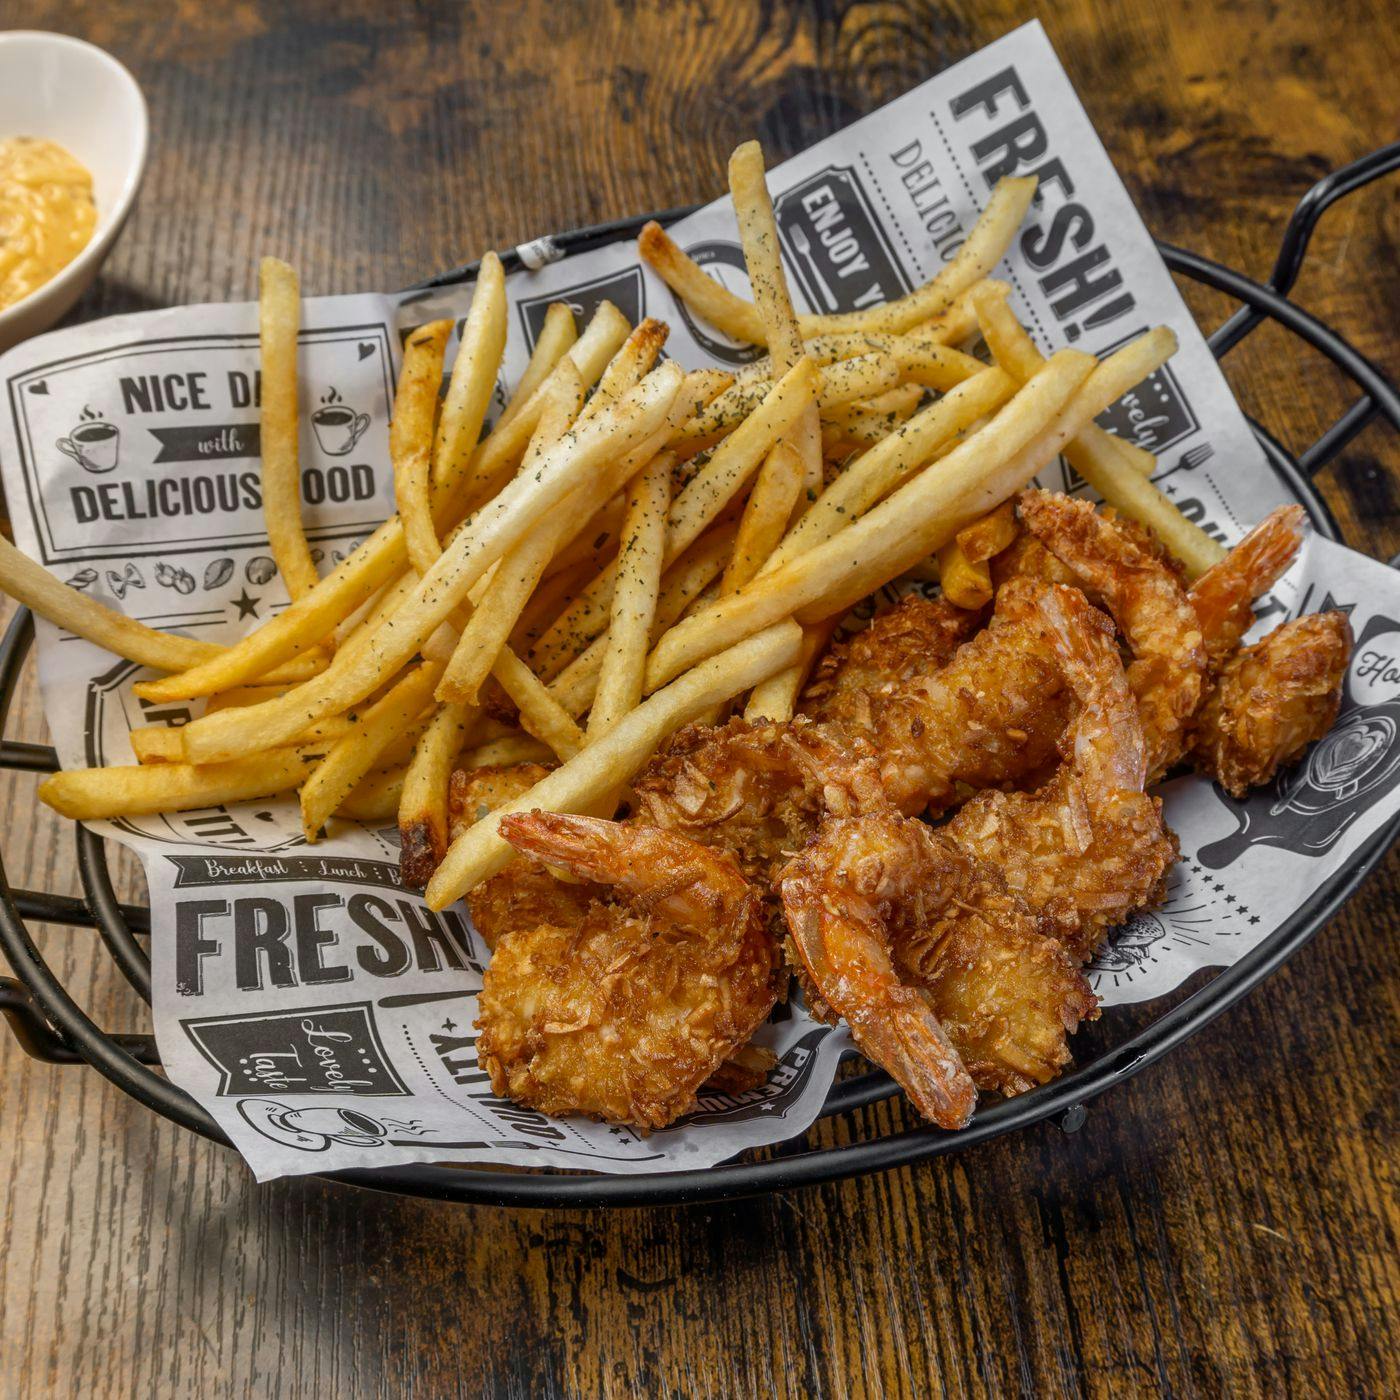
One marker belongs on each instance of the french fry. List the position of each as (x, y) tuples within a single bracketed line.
[(630, 426), (966, 583), (634, 597), (1098, 456), (375, 798), (494, 461), (684, 582), (161, 743), (988, 536), (279, 323), (595, 541), (1139, 458), (355, 753), (540, 713), (697, 506), (626, 368), (554, 593), (243, 695), (473, 381), (758, 232), (598, 538), (422, 807), (887, 465), (776, 698), (556, 338), (506, 751), (37, 589), (926, 511), (952, 328), (301, 626), (958, 324), (983, 249), (882, 414), (411, 440), (603, 768), (496, 612), (98, 794), (845, 381), (765, 520)]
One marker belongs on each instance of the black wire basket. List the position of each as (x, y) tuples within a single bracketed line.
[(50, 1025)]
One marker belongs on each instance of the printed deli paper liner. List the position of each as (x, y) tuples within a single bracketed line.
[(317, 1009)]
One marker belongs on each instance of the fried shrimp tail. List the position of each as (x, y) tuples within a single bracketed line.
[(1114, 562), (623, 1012), (921, 947), (1088, 847), (844, 951), (1224, 596)]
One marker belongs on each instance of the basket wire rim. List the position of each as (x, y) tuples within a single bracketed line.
[(119, 1058)]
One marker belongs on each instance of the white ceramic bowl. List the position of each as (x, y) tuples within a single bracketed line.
[(74, 93)]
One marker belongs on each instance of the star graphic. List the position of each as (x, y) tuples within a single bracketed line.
[(449, 1025), (247, 607), (1254, 918), (1229, 899)]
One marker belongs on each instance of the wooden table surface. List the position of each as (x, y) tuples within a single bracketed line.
[(1225, 1223)]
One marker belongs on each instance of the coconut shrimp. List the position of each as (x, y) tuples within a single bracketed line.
[(756, 790), (624, 1013), (915, 637), (1087, 848), (1223, 597), (937, 967), (989, 718), (1272, 700), (1149, 603)]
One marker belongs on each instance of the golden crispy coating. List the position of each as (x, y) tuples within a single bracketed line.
[(1087, 848), (940, 970), (624, 1012), (1272, 700), (990, 717), (756, 790), (1026, 557), (1224, 596), (1150, 606), (915, 637), (525, 892)]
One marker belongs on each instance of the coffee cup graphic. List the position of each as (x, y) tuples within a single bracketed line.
[(93, 445), (338, 428)]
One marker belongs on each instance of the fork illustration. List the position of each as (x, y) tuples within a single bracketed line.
[(802, 246), (1192, 458)]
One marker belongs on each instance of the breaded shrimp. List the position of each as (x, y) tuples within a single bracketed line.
[(915, 637), (1272, 700), (756, 790), (624, 1013), (1150, 606), (884, 904), (1224, 596), (839, 905), (1087, 848), (990, 717)]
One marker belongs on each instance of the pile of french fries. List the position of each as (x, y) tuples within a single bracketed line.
[(630, 549)]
